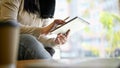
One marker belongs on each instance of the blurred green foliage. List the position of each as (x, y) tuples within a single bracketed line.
[(110, 21)]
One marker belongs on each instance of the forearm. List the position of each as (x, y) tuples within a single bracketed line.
[(47, 29), (47, 42), (36, 31)]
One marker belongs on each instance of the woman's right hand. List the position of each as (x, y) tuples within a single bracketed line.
[(56, 23), (53, 25)]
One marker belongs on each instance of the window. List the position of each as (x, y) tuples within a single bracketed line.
[(101, 37)]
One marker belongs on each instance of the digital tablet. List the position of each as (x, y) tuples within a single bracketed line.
[(74, 24)]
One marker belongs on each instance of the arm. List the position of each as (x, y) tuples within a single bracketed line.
[(9, 12), (51, 42), (55, 23)]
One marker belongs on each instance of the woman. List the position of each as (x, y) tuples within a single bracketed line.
[(32, 16)]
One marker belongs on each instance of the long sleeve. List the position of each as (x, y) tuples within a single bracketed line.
[(29, 23), (35, 31), (9, 9), (47, 41)]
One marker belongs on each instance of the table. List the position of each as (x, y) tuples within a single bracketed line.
[(70, 63), (23, 63)]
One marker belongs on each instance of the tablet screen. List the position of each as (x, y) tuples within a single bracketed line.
[(74, 24)]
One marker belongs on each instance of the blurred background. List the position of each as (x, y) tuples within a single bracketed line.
[(99, 39)]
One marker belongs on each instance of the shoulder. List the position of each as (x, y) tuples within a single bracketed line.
[(11, 1), (12, 7)]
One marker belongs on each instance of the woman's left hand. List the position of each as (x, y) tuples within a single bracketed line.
[(62, 38)]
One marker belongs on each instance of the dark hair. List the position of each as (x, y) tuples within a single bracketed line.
[(44, 8)]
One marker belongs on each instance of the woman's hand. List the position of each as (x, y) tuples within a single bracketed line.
[(62, 38), (58, 22), (53, 25)]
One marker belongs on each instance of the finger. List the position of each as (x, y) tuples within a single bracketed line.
[(63, 36), (58, 21), (58, 40), (66, 34), (66, 18), (61, 39)]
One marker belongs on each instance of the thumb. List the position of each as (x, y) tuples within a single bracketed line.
[(67, 32)]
